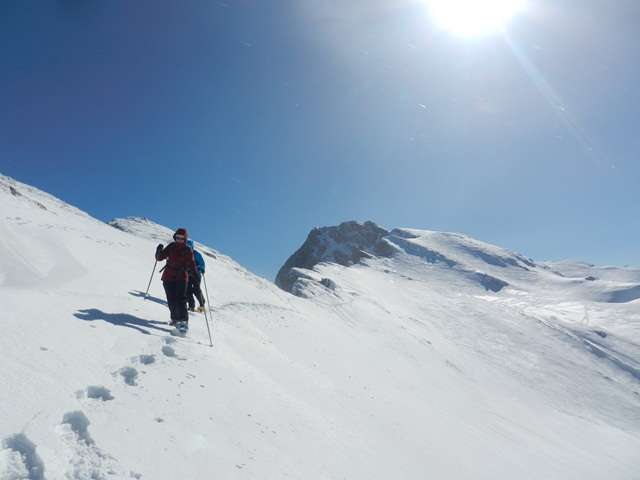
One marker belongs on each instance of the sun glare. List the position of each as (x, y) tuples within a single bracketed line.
[(474, 17)]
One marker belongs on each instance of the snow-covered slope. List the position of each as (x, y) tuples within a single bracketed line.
[(396, 366)]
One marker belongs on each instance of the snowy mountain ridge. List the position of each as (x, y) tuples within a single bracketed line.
[(31, 195), (145, 228), (488, 266), (398, 364)]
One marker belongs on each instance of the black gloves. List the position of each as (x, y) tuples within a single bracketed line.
[(159, 248)]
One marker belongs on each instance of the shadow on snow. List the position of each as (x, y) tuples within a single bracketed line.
[(151, 298), (121, 320)]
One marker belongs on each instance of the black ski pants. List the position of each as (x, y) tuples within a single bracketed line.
[(194, 289), (177, 299)]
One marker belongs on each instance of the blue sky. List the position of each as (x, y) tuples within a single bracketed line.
[(252, 121)]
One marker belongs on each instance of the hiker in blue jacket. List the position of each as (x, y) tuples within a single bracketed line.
[(194, 281)]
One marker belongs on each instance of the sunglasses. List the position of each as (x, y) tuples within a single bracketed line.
[(179, 238)]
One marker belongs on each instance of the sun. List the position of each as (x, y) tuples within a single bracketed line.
[(474, 17)]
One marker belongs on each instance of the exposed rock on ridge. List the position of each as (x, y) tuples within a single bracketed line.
[(345, 244)]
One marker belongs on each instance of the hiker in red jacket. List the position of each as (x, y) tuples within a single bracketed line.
[(180, 264)]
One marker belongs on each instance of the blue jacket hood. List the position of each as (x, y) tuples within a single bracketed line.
[(196, 256)]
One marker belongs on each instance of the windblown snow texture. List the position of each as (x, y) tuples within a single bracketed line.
[(404, 354)]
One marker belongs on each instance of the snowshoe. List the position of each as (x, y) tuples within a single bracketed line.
[(182, 327)]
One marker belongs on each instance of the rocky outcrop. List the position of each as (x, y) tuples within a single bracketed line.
[(345, 244)]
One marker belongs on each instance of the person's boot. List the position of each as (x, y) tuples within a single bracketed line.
[(192, 309), (182, 327), (200, 309)]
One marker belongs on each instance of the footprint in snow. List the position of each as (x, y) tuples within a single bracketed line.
[(19, 459), (87, 460), (129, 375), (79, 424), (146, 359), (168, 351), (95, 392)]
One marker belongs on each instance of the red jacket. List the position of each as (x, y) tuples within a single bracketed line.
[(179, 264)]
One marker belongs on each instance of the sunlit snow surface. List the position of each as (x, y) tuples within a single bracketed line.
[(409, 368)]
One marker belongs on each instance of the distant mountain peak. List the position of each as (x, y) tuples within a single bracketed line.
[(344, 244), (349, 243)]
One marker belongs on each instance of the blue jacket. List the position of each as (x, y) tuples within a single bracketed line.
[(199, 261), (197, 256)]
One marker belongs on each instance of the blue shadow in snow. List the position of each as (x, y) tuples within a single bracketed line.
[(151, 298), (121, 320)]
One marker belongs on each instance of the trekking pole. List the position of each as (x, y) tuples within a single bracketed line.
[(208, 328), (152, 273), (204, 278)]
